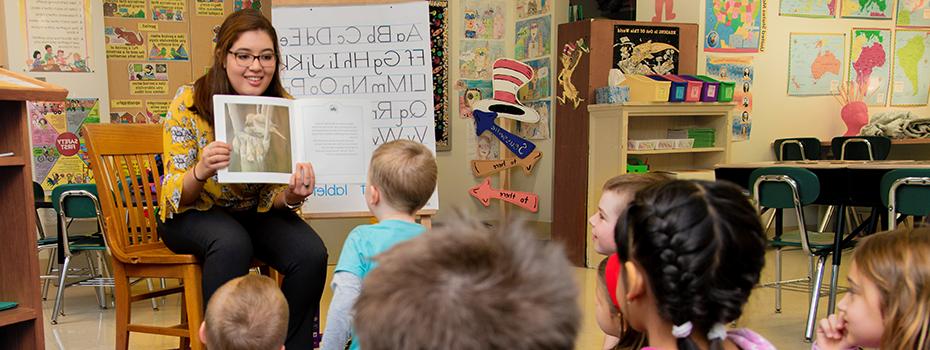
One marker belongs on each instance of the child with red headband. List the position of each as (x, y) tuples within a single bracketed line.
[(619, 334)]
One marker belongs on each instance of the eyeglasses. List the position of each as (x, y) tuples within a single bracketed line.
[(245, 60)]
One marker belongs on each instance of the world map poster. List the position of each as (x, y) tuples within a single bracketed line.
[(911, 83), (734, 25), (870, 64), (815, 63), (913, 13), (875, 9), (808, 8)]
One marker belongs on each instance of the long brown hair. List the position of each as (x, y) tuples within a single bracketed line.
[(898, 262), (215, 81)]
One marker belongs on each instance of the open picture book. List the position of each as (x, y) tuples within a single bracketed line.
[(269, 135)]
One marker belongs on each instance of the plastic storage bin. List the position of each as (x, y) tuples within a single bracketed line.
[(692, 90), (677, 90), (641, 145), (709, 89), (645, 89)]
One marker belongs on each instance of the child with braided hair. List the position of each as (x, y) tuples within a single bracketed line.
[(691, 253)]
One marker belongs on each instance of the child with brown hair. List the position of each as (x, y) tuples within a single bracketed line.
[(607, 312), (692, 252), (888, 302), (246, 313), (466, 287), (616, 197), (401, 179)]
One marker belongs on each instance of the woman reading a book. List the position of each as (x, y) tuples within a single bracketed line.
[(226, 225)]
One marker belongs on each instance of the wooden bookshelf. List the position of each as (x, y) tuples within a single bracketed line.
[(22, 326)]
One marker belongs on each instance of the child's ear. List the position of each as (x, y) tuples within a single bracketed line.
[(203, 332), (636, 284), (375, 196)]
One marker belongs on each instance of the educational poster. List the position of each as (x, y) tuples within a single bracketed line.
[(538, 130), (482, 147), (156, 110), (124, 8), (871, 9), (870, 64), (815, 64), (541, 85), (389, 64), (532, 38), (913, 13), (168, 10), (439, 29), (168, 47), (247, 4), (808, 8), (58, 150), (911, 72), (57, 35), (738, 69), (646, 49), (477, 56), (130, 118), (212, 8), (470, 92), (123, 43), (148, 71), (661, 11), (530, 8), (734, 25), (483, 19)]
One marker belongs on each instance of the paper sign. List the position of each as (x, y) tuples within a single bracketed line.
[(148, 87), (125, 104), (210, 8), (159, 107), (168, 10), (168, 47), (148, 27)]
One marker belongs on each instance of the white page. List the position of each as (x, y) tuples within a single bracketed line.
[(332, 137)]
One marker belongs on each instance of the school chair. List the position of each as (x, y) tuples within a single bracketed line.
[(44, 242), (793, 188), (126, 151), (79, 201), (855, 148), (906, 191), (797, 148)]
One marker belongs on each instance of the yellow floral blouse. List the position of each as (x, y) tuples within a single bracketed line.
[(185, 135)]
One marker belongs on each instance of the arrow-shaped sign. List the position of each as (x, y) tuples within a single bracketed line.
[(484, 193), (482, 168), (484, 121)]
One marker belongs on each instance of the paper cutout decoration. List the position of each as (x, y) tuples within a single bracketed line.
[(509, 76), (484, 193), (483, 168), (571, 56), (484, 121)]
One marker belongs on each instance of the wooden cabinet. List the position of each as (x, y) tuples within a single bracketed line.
[(610, 128), (20, 327)]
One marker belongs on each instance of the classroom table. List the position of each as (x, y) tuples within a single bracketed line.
[(842, 183)]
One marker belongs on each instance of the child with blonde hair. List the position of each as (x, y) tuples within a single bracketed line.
[(616, 196), (246, 313), (692, 251), (888, 302), (401, 179)]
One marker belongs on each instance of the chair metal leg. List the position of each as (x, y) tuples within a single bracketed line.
[(777, 280), (163, 285), (101, 298), (53, 255), (815, 298), (148, 282), (768, 224), (822, 227), (834, 277), (62, 274)]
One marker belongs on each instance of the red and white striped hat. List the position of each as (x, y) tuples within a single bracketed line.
[(509, 76)]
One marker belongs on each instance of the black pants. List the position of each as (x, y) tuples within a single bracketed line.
[(227, 241)]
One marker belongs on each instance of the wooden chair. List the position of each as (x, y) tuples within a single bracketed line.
[(123, 158)]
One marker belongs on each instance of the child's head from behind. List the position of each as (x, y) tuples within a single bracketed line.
[(246, 313), (403, 175), (466, 287), (616, 196), (888, 303), (692, 253), (607, 312)]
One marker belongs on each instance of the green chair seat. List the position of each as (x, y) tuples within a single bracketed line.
[(818, 241)]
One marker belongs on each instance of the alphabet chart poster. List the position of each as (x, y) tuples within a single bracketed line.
[(378, 53)]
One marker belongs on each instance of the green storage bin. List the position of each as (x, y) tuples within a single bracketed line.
[(726, 90), (637, 169), (703, 137)]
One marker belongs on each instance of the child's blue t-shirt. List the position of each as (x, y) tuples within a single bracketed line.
[(367, 241)]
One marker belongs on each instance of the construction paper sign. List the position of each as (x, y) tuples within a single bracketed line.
[(484, 193), (484, 121), (482, 168)]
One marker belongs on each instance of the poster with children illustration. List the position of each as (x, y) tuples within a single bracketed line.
[(483, 19), (476, 57), (538, 130), (470, 92), (124, 8), (57, 37), (482, 147), (168, 10), (148, 71), (168, 47), (540, 86), (533, 38), (530, 8), (247, 4), (58, 150)]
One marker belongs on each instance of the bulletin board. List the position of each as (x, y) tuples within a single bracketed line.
[(155, 46)]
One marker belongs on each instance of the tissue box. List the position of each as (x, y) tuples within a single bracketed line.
[(645, 89), (612, 94), (676, 90)]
